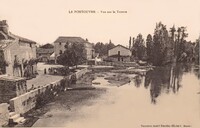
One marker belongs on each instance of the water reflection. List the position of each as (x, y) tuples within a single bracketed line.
[(138, 80), (165, 79)]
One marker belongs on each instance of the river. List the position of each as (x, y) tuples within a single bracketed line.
[(164, 97)]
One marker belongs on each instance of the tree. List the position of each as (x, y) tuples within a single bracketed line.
[(181, 43), (3, 63), (133, 42), (102, 49), (139, 48), (173, 42), (78, 53), (99, 46), (73, 55), (109, 46), (197, 51), (130, 43), (149, 42), (161, 47), (172, 31)]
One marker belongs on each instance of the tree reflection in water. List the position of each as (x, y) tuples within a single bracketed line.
[(138, 80), (165, 79)]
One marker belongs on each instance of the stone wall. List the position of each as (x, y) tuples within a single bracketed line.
[(4, 114), (30, 100), (118, 64), (81, 72), (27, 101)]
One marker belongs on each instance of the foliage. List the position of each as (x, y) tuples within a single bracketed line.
[(149, 42), (166, 47), (73, 55), (139, 49), (102, 48), (130, 43), (196, 51), (3, 63)]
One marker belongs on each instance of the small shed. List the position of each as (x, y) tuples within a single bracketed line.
[(11, 86)]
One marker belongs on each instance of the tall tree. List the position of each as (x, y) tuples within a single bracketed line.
[(3, 63), (161, 45), (181, 35), (172, 31), (133, 42), (149, 42), (139, 48), (197, 53), (173, 42), (130, 43)]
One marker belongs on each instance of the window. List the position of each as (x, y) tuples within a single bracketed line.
[(60, 52), (59, 43), (118, 52)]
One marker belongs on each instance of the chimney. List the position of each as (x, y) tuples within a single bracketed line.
[(4, 26)]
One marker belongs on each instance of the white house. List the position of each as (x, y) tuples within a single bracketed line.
[(119, 53)]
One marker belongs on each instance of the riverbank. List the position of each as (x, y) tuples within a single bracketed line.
[(143, 101), (95, 101), (76, 95)]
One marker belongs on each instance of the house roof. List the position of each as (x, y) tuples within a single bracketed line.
[(11, 37), (44, 50), (22, 38), (65, 39), (119, 45)]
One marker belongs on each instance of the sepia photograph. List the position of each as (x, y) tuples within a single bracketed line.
[(100, 63)]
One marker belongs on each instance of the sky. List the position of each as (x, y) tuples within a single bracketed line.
[(44, 20)]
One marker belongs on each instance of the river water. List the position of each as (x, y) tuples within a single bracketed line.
[(164, 97)]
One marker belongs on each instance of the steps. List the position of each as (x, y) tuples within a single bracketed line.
[(16, 118)]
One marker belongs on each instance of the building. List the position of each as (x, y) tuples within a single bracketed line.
[(18, 54), (60, 42), (119, 53), (43, 54)]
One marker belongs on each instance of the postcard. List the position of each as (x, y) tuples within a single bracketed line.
[(100, 63)]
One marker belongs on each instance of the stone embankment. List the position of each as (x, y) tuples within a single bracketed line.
[(24, 103)]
